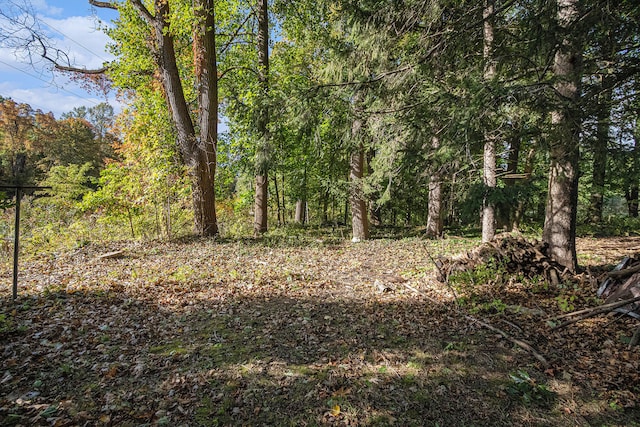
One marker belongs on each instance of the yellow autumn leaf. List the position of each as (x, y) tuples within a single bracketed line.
[(335, 411)]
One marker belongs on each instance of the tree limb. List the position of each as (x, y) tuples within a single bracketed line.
[(103, 4), (222, 74), (235, 34), (143, 11), (68, 68)]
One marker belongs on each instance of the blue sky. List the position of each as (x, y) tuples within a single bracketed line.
[(72, 26)]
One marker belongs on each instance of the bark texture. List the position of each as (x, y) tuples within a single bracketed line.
[(489, 151), (435, 226), (359, 218), (559, 231), (262, 161), (301, 211)]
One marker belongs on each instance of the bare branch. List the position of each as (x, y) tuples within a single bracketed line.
[(221, 75), (103, 4), (55, 60), (235, 34)]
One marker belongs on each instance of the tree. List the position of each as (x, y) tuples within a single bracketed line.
[(262, 153), (359, 210), (196, 138), (489, 152), (435, 226), (16, 142), (559, 230)]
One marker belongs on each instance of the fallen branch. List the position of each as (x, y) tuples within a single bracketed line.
[(612, 305), (591, 312), (515, 341), (619, 274), (109, 255)]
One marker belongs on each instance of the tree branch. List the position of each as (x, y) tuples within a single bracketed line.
[(60, 67), (235, 68), (103, 4), (235, 34), (591, 312), (143, 11)]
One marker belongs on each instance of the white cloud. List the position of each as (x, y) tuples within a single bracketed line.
[(79, 38), (32, 80), (53, 100), (43, 7)]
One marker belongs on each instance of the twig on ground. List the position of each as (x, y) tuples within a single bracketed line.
[(515, 341)]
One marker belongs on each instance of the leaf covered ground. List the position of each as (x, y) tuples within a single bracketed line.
[(305, 332)]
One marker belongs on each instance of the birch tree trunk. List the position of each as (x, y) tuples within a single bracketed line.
[(489, 152)]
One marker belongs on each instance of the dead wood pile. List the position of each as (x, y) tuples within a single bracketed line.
[(516, 254), (621, 292), (623, 283)]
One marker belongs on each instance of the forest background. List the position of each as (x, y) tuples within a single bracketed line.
[(145, 298), (517, 115)]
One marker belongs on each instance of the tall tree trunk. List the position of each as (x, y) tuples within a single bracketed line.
[(562, 199), (600, 153), (284, 202), (325, 207), (301, 211), (518, 213), (434, 218), (506, 210), (357, 202), (489, 152), (277, 191), (435, 226), (198, 153), (359, 219), (207, 82), (262, 161), (301, 204)]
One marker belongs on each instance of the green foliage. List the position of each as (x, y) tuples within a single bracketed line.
[(485, 274), (528, 390), (69, 184), (566, 302)]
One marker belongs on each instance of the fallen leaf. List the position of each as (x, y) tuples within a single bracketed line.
[(335, 411)]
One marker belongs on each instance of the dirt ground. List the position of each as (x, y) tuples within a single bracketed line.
[(306, 332)]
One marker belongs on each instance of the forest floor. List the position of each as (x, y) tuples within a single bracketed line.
[(305, 332)]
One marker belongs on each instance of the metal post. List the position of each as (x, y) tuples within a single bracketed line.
[(16, 243)]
